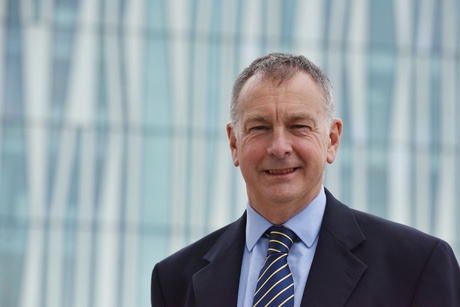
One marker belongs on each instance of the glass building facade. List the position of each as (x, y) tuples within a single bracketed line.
[(113, 150)]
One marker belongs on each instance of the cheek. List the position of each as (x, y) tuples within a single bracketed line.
[(312, 153), (251, 152), (320, 144)]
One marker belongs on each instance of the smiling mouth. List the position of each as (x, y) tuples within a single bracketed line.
[(281, 171)]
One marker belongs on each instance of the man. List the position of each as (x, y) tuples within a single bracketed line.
[(320, 252)]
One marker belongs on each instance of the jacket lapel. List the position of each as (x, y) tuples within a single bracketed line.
[(333, 276), (217, 283), (335, 270)]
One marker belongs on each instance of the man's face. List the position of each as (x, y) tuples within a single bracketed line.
[(282, 142)]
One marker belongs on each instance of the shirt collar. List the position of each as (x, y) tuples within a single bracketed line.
[(306, 224)]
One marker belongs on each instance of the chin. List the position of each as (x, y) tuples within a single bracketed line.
[(281, 198)]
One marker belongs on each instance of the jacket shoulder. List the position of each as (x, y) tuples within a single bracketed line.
[(194, 252), (374, 227), (343, 220), (171, 283)]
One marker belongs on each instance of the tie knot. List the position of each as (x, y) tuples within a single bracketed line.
[(280, 239)]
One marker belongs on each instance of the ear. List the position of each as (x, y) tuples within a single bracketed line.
[(334, 140), (233, 143)]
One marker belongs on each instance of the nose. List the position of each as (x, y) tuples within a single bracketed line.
[(280, 145)]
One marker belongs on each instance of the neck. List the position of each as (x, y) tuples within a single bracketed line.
[(278, 212)]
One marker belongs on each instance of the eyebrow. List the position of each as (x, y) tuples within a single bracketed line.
[(293, 118), (254, 118), (302, 116)]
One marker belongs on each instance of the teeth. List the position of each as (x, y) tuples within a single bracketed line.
[(281, 171)]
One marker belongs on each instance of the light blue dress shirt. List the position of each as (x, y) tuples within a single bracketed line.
[(306, 224)]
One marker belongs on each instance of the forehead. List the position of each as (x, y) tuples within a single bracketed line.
[(299, 94)]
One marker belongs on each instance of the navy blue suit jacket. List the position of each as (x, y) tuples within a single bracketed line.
[(361, 260)]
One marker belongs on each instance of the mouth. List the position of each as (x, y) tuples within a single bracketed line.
[(281, 171)]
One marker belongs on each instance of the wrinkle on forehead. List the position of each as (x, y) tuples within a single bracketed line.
[(288, 117), (264, 100)]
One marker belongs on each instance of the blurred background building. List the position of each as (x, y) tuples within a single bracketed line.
[(113, 150)]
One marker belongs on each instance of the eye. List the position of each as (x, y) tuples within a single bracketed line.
[(300, 127), (258, 128)]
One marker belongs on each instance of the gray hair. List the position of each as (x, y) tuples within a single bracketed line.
[(280, 67)]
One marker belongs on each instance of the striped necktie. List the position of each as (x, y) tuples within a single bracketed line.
[(275, 286)]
